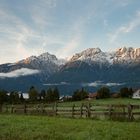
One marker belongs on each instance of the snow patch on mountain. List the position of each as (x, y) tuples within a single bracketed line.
[(95, 55), (19, 72), (11, 64), (44, 58), (47, 57)]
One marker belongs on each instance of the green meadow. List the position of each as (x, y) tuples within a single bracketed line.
[(21, 127), (108, 101), (29, 127)]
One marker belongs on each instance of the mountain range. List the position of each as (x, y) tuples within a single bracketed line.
[(91, 68)]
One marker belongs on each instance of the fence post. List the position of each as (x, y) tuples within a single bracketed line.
[(43, 108), (81, 110), (0, 108), (12, 108), (25, 108), (88, 110), (55, 109), (38, 108), (129, 111), (124, 111), (110, 111), (130, 114), (73, 110), (6, 108)]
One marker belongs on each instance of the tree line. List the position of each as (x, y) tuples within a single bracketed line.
[(124, 92), (52, 95), (103, 92), (14, 97)]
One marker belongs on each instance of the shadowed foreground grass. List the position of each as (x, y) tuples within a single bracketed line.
[(14, 127)]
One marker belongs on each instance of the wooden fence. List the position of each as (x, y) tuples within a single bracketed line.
[(129, 112)]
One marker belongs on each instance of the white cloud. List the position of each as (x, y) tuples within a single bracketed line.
[(69, 48), (19, 72), (129, 27), (105, 22), (77, 31), (20, 39), (57, 84), (119, 3), (100, 83), (114, 84), (17, 41), (39, 26), (48, 3), (93, 84)]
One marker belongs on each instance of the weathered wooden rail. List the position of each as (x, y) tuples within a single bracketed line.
[(116, 112)]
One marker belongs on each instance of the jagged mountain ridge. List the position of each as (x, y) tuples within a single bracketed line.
[(122, 55), (46, 63), (91, 55), (122, 66)]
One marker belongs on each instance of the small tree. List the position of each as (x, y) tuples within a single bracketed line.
[(79, 95), (21, 98), (103, 92), (126, 92), (49, 95), (52, 95), (131, 92), (56, 94), (76, 95), (3, 96), (42, 95), (33, 94), (83, 94), (14, 97)]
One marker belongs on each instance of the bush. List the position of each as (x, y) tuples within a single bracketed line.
[(79, 95), (33, 94), (14, 97), (103, 92), (52, 95), (126, 92), (3, 96)]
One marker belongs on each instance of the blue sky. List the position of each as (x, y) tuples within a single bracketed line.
[(64, 27)]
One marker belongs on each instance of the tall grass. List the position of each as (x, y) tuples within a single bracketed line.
[(14, 127)]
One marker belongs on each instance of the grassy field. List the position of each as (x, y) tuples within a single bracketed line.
[(124, 101), (14, 127)]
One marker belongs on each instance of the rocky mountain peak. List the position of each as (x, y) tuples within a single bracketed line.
[(128, 53), (86, 54), (27, 60), (47, 57), (91, 51), (123, 55), (137, 52)]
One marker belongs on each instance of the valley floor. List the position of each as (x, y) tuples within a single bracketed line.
[(21, 127)]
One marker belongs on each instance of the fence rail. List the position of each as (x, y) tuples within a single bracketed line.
[(130, 112)]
